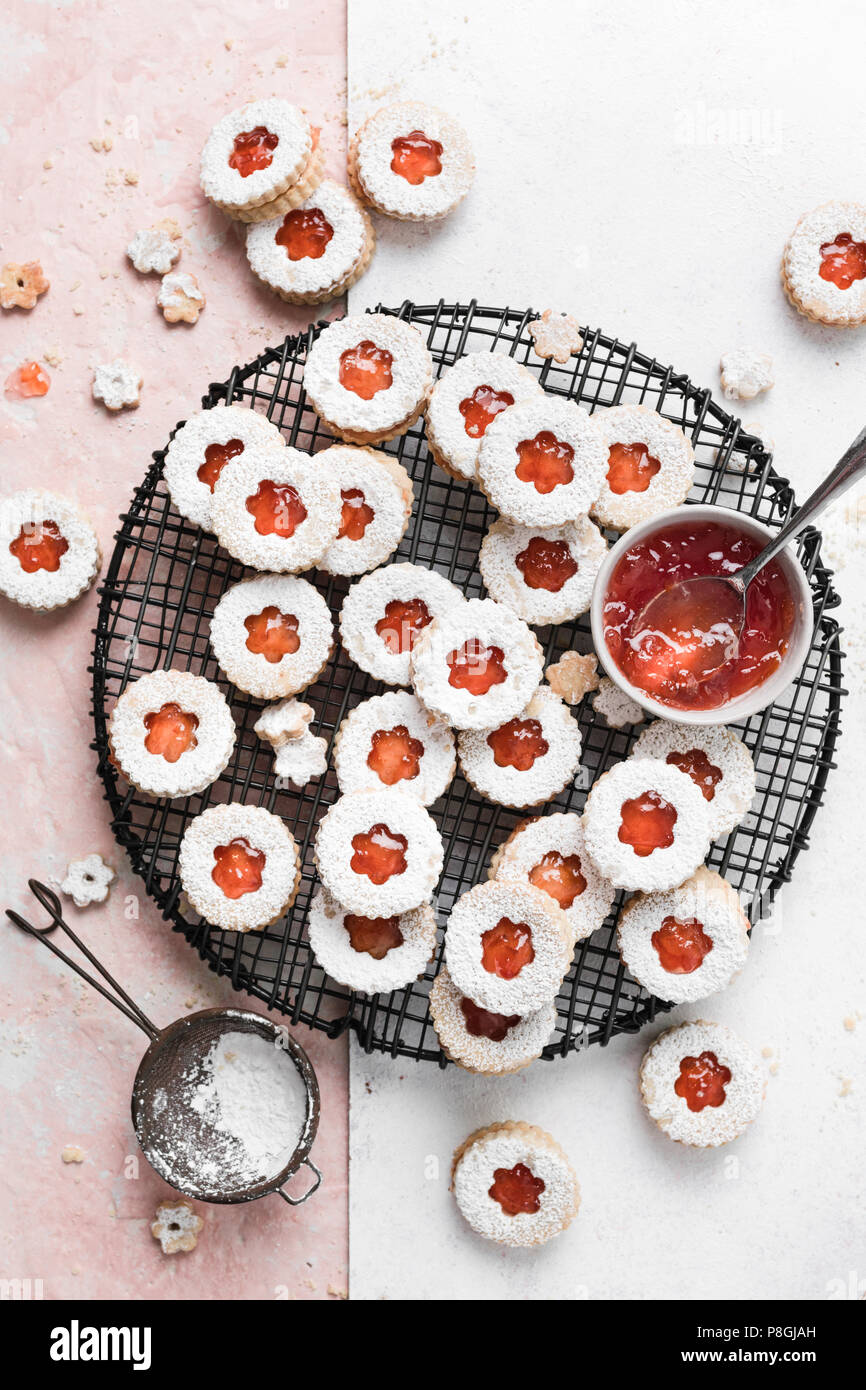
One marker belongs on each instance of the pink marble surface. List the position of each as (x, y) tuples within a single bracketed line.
[(151, 82)]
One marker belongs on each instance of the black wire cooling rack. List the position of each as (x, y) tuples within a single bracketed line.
[(166, 576)]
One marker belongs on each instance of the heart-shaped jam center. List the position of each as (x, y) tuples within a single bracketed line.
[(356, 515), (545, 461), (272, 634), (703, 773), (379, 853), (560, 876), (481, 1023), (517, 1190), (517, 744), (404, 618), (394, 755), (305, 233), (415, 157), (375, 936), (39, 545), (170, 731), (681, 946), (238, 868), (30, 379), (546, 564), (647, 823), (277, 508), (365, 369), (216, 456), (476, 667), (630, 468), (702, 1081), (843, 261), (506, 948), (481, 407), (253, 150)]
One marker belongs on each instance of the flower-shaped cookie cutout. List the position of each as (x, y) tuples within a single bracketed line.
[(176, 1226), (88, 880), (155, 249), (573, 676), (116, 385), (180, 297), (300, 755), (556, 335), (21, 285), (615, 707), (746, 373)]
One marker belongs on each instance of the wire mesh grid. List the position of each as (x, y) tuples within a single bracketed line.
[(166, 576)]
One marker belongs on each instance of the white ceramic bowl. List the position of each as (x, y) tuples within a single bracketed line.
[(752, 700)]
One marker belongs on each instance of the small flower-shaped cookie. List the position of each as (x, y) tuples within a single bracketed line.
[(299, 755), (176, 1226), (556, 335), (116, 385), (615, 707), (21, 285), (746, 373), (180, 297), (573, 676), (155, 248), (88, 880)]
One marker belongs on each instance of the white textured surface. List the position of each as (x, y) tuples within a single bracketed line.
[(723, 1221)]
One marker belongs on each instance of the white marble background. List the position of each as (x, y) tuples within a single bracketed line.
[(641, 165)]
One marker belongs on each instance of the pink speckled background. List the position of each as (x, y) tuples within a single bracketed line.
[(152, 80)]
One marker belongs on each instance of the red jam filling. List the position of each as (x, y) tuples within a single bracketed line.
[(703, 773), (30, 379), (253, 150), (560, 876), (305, 233), (272, 634), (39, 545), (647, 823), (506, 948), (476, 668), (517, 744), (481, 1023), (416, 157), (843, 261), (394, 755), (379, 853), (403, 620), (356, 515), (687, 550), (216, 456), (517, 1190), (170, 731), (481, 407), (365, 369), (702, 1081), (630, 468), (545, 461), (277, 508), (238, 868), (546, 564), (681, 946), (374, 935)]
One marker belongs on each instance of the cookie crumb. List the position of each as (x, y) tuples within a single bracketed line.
[(556, 335), (846, 1086), (71, 1153), (334, 1292)]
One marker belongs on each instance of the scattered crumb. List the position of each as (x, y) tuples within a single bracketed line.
[(766, 1052), (52, 357), (101, 143), (131, 177), (72, 1154), (78, 310), (849, 1023), (846, 1085), (774, 1068), (48, 164), (282, 61), (228, 43), (337, 1293)]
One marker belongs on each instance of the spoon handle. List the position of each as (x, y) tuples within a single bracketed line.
[(850, 467)]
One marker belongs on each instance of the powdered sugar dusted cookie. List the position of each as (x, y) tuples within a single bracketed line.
[(299, 756), (88, 880), (384, 612), (573, 676), (171, 733), (21, 285), (272, 635), (556, 335), (411, 161), (315, 251), (368, 377), (508, 946), (392, 740), (155, 249), (483, 1042), (647, 826), (650, 465), (373, 955), (745, 373), (514, 1184), (617, 709), (464, 401), (177, 1227), (203, 446), (702, 1084), (824, 264), (180, 297), (527, 760), (715, 758), (549, 852), (255, 153), (116, 385), (239, 867), (379, 852), (49, 553), (273, 509), (542, 463), (377, 495), (292, 197), (545, 574)]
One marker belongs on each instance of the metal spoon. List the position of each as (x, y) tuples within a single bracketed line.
[(712, 608)]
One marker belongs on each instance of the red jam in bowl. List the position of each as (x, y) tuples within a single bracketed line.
[(688, 550)]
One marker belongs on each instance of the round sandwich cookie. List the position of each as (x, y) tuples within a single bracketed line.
[(527, 760), (549, 852), (702, 1084), (239, 867), (272, 635), (391, 740), (716, 759), (368, 377), (273, 509), (466, 399), (824, 265), (255, 154), (315, 251), (171, 733), (373, 955), (384, 613), (379, 852), (508, 946), (542, 463), (203, 446), (412, 162), (376, 494), (483, 1042), (514, 1184), (544, 573), (49, 552), (650, 465)]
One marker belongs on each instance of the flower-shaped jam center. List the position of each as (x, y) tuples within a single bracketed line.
[(277, 508), (238, 868), (517, 1190), (546, 564), (517, 744), (253, 150), (681, 946), (416, 157), (170, 731), (375, 936), (356, 515), (39, 545), (476, 667), (394, 755), (365, 369), (403, 620), (30, 379), (305, 233), (843, 261), (560, 876), (481, 407), (481, 1023), (379, 853), (630, 468), (545, 461), (702, 1081), (272, 634), (647, 823), (703, 773), (506, 948), (216, 456)]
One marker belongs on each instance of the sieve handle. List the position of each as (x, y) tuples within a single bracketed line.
[(316, 1183)]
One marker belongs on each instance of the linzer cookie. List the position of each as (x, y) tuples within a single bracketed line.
[(272, 635), (483, 1042), (315, 251), (647, 825), (412, 162), (508, 946), (368, 377), (273, 509), (376, 494), (545, 574), (824, 265), (514, 1184), (239, 867), (171, 733), (203, 446), (550, 853), (393, 741), (716, 759), (255, 154), (379, 852), (384, 612), (373, 955), (650, 465), (702, 1084), (466, 399), (542, 463), (527, 760), (49, 553)]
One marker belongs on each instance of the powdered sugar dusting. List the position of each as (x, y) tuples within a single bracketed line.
[(744, 1094), (665, 866), (521, 1045), (550, 772), (359, 970), (504, 1146)]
